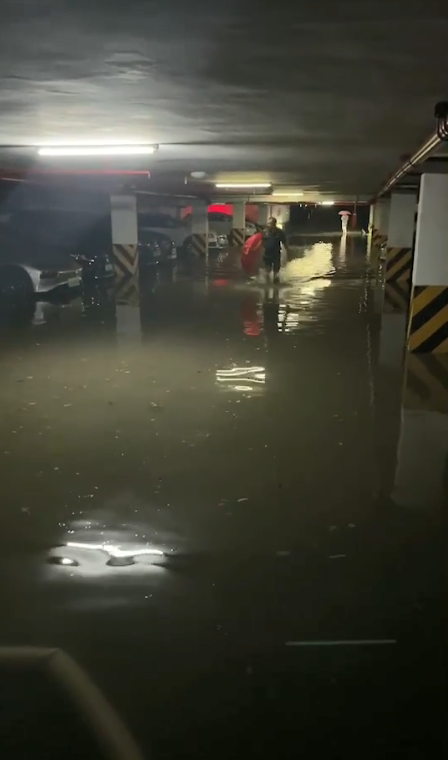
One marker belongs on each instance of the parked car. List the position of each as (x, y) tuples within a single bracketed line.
[(85, 237), (179, 231), (155, 248), (27, 267), (221, 224)]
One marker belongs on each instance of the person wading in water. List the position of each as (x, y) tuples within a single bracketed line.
[(273, 239)]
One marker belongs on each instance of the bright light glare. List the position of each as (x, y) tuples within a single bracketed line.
[(67, 561), (255, 375), (286, 192), (113, 550), (242, 186), (97, 150), (327, 203)]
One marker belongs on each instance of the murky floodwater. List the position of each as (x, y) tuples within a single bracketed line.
[(215, 468)]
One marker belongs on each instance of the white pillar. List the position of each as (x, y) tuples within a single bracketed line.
[(124, 237), (370, 229), (199, 229), (421, 460), (431, 251), (400, 237), (380, 221), (401, 220), (263, 214), (238, 234), (125, 255), (428, 320)]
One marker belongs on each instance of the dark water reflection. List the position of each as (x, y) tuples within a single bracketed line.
[(192, 479)]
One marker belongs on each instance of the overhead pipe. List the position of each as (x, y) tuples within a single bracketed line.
[(418, 157)]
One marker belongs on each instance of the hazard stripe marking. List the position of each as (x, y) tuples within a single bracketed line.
[(199, 243), (426, 382), (125, 260), (398, 263), (428, 326), (237, 236), (397, 295)]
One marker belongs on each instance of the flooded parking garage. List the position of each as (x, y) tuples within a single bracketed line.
[(227, 501)]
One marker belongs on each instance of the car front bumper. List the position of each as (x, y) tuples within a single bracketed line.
[(69, 280)]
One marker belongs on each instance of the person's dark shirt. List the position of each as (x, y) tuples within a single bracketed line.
[(272, 240)]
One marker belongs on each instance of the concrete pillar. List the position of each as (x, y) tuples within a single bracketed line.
[(125, 246), (428, 319), (422, 461), (238, 233), (199, 229), (421, 478), (400, 237), (380, 222), (263, 214), (370, 229)]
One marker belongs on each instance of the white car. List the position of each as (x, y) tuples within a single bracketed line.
[(28, 268), (179, 231), (222, 224)]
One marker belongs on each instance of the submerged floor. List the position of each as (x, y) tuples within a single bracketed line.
[(267, 442)]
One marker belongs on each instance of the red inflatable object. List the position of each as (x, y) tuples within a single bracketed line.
[(252, 249)]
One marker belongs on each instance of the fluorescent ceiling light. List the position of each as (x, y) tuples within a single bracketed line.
[(96, 150), (327, 203), (242, 185), (286, 192)]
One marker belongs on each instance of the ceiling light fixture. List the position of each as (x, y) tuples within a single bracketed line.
[(96, 150), (286, 192), (327, 203), (242, 185)]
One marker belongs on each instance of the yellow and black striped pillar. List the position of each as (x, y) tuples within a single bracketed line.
[(396, 296), (125, 261), (428, 319), (199, 241), (426, 382), (127, 292), (399, 264), (237, 236)]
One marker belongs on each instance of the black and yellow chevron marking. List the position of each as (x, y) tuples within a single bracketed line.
[(199, 244), (426, 383), (396, 296), (125, 261), (127, 291), (378, 239), (399, 264), (237, 236), (428, 322)]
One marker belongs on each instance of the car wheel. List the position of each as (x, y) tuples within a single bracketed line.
[(15, 284)]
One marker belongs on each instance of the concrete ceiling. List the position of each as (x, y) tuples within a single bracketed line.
[(324, 96)]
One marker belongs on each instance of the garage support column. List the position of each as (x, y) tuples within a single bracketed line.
[(199, 230), (400, 237), (380, 222), (263, 214), (428, 318), (238, 233), (125, 242)]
